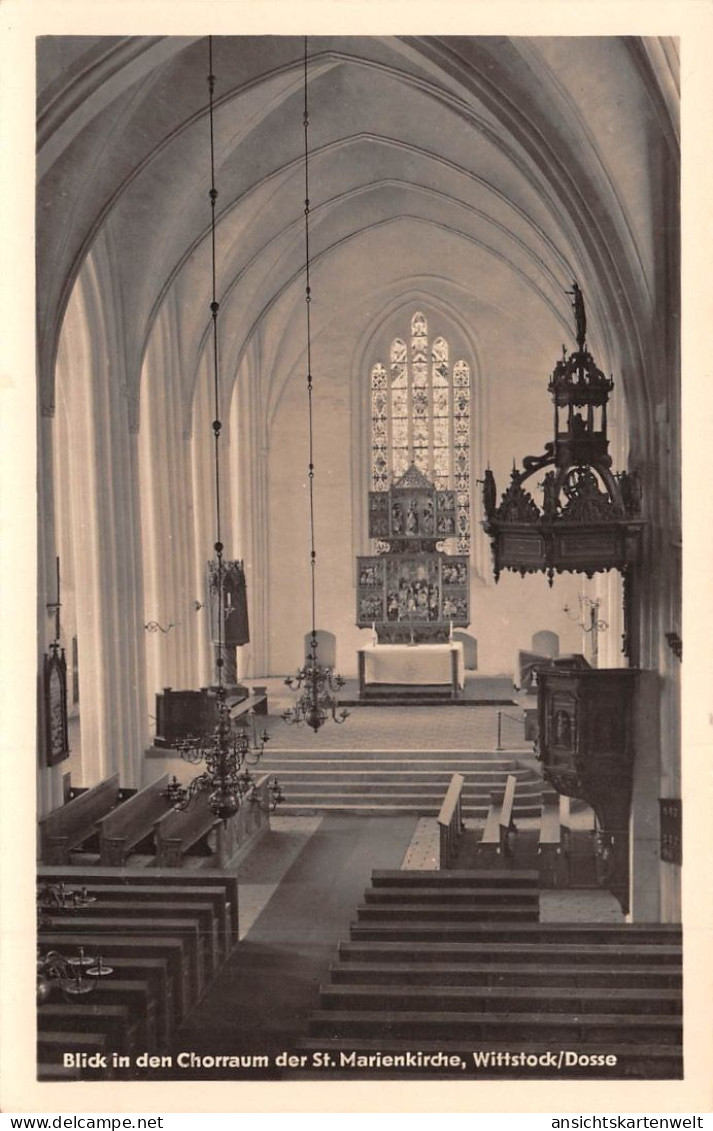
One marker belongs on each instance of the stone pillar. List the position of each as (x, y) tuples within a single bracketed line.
[(49, 778), (644, 842), (252, 508)]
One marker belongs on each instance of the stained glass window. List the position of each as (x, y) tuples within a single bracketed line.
[(420, 413)]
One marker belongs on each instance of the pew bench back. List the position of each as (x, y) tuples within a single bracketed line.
[(499, 823), (68, 826), (123, 828)]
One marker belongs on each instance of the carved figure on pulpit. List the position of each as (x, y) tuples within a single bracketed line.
[(562, 729), (427, 517), (397, 519), (412, 519), (549, 495)]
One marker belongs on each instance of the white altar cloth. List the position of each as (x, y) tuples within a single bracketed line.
[(417, 663)]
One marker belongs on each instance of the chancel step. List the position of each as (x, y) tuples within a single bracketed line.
[(394, 782)]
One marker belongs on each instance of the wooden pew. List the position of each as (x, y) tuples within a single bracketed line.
[(132, 911), (450, 822), (184, 929), (222, 885), (90, 1015), (151, 896), (553, 850), (243, 707), (129, 952), (499, 824), (179, 832), (121, 830), (52, 1044), (65, 828)]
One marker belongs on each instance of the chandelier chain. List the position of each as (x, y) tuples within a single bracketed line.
[(308, 300), (214, 308), (320, 683)]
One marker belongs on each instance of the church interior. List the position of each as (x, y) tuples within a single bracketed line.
[(359, 521)]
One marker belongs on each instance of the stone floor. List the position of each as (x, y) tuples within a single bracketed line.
[(261, 871), (407, 728)]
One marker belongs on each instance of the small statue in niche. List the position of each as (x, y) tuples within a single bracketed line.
[(549, 495), (562, 729), (580, 316), (412, 519), (397, 519), (631, 491), (489, 493)]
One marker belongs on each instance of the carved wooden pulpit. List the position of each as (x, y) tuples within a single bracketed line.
[(587, 750)]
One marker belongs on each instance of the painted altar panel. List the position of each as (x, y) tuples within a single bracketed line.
[(413, 513), (412, 590)]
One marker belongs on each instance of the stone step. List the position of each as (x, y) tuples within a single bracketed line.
[(504, 999), (451, 878), (472, 806), (471, 896), (438, 912), (501, 761), (497, 973), (425, 768), (533, 933), (532, 954), (416, 1024), (635, 1061), (376, 808), (399, 782)]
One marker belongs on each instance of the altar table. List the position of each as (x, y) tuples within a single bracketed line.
[(412, 664)]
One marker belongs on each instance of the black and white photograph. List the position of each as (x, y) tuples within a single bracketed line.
[(359, 496)]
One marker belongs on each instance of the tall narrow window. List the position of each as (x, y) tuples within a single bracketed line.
[(420, 413)]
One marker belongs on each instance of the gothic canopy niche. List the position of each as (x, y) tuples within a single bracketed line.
[(589, 519)]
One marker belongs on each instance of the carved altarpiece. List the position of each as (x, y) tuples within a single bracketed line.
[(411, 591)]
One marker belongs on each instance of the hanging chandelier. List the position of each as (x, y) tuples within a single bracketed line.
[(318, 684), (226, 753)]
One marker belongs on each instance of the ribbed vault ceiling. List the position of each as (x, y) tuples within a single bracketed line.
[(500, 166)]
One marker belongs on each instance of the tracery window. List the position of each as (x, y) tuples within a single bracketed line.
[(420, 413)]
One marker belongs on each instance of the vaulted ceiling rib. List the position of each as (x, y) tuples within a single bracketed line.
[(492, 143)]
